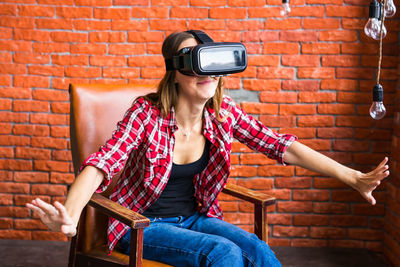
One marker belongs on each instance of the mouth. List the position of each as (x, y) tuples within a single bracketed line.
[(204, 82)]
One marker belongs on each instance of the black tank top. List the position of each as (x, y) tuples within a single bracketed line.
[(177, 198)]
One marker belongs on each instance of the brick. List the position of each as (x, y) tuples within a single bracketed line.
[(242, 219), (272, 97), (300, 85), (6, 116), (290, 231), (50, 94), (29, 224), (227, 13), (5, 80), (319, 145), (315, 73), (275, 171), (15, 234), (59, 24), (261, 84), (316, 97), (345, 11), (31, 130), (340, 61), (282, 219), (29, 58), (256, 183), (310, 220), (31, 81), (294, 206), (339, 84), (359, 48), (320, 48), (27, 105), (70, 60), (327, 232), (243, 171), (126, 49), (300, 60), (111, 13), (264, 60), (321, 23), (299, 109), (31, 35), (61, 178), (313, 195), (6, 152), (257, 36), (14, 187), (99, 2), (336, 109), (330, 208), (86, 72), (296, 36), (186, 12), (367, 209), (309, 243), (91, 49), (89, 25), (102, 61), (151, 73), (235, 25), (31, 177), (8, 164), (167, 25), (48, 142), (5, 200), (121, 72), (352, 121), (31, 153), (21, 200), (50, 190), (146, 61), (275, 73), (282, 24), (12, 69), (74, 12), (71, 37), (52, 236), (351, 145), (336, 36), (353, 23), (60, 107), (6, 9), (365, 234), (17, 22), (354, 73), (349, 220), (295, 182), (315, 121), (307, 11), (14, 140), (280, 48), (259, 108), (62, 155), (278, 121), (342, 132)]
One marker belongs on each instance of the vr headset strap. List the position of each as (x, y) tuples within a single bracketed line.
[(201, 36)]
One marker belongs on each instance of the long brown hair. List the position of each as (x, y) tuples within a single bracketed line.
[(166, 96)]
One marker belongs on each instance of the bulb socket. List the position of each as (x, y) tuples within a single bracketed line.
[(374, 9), (285, 1), (377, 93)]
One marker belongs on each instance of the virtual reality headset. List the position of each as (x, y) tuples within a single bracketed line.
[(209, 58)]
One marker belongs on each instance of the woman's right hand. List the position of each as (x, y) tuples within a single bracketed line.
[(54, 216)]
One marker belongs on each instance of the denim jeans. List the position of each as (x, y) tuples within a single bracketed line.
[(198, 240)]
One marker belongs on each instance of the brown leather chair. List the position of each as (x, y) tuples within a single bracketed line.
[(95, 111)]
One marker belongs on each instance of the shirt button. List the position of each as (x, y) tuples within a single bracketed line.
[(221, 150)]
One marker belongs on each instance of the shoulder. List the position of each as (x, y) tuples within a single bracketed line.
[(141, 104)]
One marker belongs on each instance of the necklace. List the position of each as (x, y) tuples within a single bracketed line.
[(187, 133)]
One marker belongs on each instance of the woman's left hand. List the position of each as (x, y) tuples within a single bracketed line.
[(365, 183)]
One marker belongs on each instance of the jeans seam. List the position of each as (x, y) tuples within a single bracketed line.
[(180, 250), (251, 261)]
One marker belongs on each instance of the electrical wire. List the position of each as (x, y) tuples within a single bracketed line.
[(380, 43)]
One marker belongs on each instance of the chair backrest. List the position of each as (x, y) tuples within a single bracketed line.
[(95, 110)]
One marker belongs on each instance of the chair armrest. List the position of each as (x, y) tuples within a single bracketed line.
[(115, 210), (252, 196)]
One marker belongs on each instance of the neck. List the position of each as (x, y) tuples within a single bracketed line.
[(188, 114)]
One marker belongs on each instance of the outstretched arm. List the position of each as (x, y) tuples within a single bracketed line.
[(303, 156), (62, 218)]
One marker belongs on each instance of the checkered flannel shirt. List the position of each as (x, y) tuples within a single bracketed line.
[(144, 143)]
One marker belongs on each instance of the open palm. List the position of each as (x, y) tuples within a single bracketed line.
[(54, 216)]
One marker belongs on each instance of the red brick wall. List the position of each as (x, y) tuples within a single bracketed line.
[(310, 74), (392, 213)]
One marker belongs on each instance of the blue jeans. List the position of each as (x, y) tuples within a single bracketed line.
[(198, 240)]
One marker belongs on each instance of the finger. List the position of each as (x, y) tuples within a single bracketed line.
[(383, 162), (47, 208), (370, 198), (68, 230), (35, 209), (63, 212)]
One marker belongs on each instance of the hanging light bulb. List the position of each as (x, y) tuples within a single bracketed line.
[(377, 109), (285, 8), (373, 27), (390, 8), (383, 28)]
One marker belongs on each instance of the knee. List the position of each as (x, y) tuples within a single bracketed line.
[(225, 253)]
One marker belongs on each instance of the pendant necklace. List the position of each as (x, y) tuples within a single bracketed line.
[(187, 133)]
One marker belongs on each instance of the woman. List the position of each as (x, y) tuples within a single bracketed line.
[(176, 145)]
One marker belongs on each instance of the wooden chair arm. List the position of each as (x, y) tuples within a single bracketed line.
[(115, 210), (260, 201), (249, 195)]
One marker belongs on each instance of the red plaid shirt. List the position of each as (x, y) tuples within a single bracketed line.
[(144, 142)]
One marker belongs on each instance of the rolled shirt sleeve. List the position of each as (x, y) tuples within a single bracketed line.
[(112, 156), (257, 136)]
